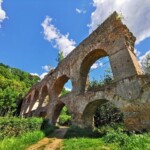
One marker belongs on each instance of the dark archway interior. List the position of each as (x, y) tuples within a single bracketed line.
[(101, 112), (107, 114), (89, 112), (28, 99), (57, 111)]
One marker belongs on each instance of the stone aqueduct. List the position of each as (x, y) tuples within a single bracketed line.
[(130, 91)]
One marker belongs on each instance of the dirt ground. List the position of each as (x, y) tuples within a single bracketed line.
[(53, 143)]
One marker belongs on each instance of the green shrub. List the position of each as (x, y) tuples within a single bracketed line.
[(64, 119), (13, 126), (75, 131)]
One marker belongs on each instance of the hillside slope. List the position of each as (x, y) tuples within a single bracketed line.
[(14, 84)]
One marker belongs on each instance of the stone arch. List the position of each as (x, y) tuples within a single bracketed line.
[(44, 100), (87, 62), (45, 97), (89, 111), (28, 99), (34, 102), (59, 84), (26, 103), (56, 111)]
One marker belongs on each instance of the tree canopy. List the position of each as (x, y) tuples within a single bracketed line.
[(14, 84)]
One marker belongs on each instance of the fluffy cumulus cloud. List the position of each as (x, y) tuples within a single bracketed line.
[(80, 11), (43, 75), (52, 34), (96, 65), (40, 76), (34, 74), (136, 15), (47, 68), (2, 13)]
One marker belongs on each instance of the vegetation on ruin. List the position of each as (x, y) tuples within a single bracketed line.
[(105, 80)]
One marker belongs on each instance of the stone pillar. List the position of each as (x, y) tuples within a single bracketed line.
[(123, 60)]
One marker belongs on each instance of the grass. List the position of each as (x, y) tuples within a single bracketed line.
[(21, 142), (82, 144), (105, 138)]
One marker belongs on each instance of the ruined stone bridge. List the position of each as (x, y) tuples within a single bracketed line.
[(130, 91)]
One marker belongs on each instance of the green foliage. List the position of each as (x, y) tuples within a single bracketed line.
[(21, 142), (60, 56), (82, 144), (109, 138), (46, 128), (13, 126), (146, 64), (64, 92), (64, 118), (123, 141), (107, 79), (14, 84), (77, 132), (107, 114)]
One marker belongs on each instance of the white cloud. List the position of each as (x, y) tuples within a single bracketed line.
[(47, 68), (34, 74), (97, 65), (52, 34), (67, 89), (40, 76), (137, 52), (136, 15), (43, 75), (80, 11), (2, 13)]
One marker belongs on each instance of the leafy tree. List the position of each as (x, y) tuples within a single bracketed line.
[(107, 114), (146, 64), (60, 56), (14, 84), (8, 101)]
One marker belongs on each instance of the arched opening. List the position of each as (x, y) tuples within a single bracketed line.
[(27, 103), (45, 97), (95, 70), (107, 114), (88, 114), (61, 115), (35, 102), (101, 112), (62, 86)]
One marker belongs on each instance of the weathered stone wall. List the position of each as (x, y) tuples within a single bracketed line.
[(130, 88)]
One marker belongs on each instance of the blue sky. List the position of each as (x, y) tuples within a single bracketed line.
[(33, 31)]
